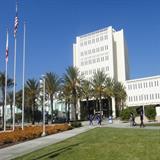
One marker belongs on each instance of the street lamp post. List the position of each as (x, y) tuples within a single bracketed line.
[(44, 88)]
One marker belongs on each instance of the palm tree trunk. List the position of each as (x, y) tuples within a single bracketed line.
[(68, 111), (100, 105), (74, 103), (51, 98), (33, 117), (11, 111), (3, 94), (87, 105)]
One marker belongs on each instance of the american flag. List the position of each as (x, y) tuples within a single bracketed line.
[(7, 48), (16, 23)]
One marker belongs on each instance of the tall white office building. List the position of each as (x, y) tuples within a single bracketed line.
[(106, 50), (103, 50)]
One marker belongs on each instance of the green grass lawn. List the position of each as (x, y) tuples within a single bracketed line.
[(104, 144)]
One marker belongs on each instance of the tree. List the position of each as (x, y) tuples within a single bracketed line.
[(2, 87), (109, 91), (65, 95), (72, 80), (86, 92), (120, 95), (52, 82), (10, 101), (98, 84), (32, 92)]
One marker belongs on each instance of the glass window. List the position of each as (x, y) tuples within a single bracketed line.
[(98, 59), (89, 41), (102, 59), (81, 44), (101, 38), (102, 48), (93, 40), (106, 58), (97, 49), (81, 53), (89, 51), (97, 39), (93, 50), (105, 37), (85, 43)]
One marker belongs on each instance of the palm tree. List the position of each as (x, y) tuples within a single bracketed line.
[(120, 94), (86, 92), (109, 91), (65, 95), (52, 82), (10, 101), (98, 83), (32, 92), (2, 87), (72, 80)]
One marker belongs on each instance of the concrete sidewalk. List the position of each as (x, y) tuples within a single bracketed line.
[(32, 145)]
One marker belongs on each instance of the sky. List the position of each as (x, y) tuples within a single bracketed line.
[(52, 27)]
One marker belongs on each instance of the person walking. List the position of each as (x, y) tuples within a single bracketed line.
[(132, 120), (141, 119), (91, 119)]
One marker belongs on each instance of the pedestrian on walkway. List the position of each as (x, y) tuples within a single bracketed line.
[(132, 120), (99, 119), (91, 117), (141, 119)]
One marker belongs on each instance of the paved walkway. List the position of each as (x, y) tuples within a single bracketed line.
[(32, 145)]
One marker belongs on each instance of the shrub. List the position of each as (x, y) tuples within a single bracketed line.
[(30, 132), (76, 124), (125, 113), (150, 112)]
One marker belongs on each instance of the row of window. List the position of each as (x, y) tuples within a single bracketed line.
[(94, 50), (143, 85), (90, 72), (144, 97), (94, 40), (95, 60)]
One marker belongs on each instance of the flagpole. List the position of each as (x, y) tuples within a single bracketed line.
[(23, 75), (14, 87), (15, 49), (5, 103)]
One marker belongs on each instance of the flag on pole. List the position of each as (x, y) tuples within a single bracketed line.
[(7, 48), (16, 21)]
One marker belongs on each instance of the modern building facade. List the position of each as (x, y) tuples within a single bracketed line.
[(106, 50)]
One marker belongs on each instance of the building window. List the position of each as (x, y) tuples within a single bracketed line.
[(85, 43), (81, 44), (97, 39), (93, 40), (102, 48), (82, 63), (89, 51), (89, 41), (102, 59), (94, 71), (85, 53), (93, 50), (107, 68), (106, 47), (97, 49), (98, 59), (101, 38), (105, 37), (81, 53), (106, 58)]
